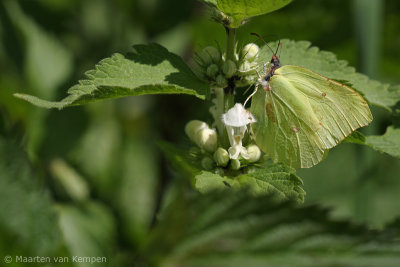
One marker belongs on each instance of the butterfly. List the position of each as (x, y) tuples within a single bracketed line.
[(301, 114)]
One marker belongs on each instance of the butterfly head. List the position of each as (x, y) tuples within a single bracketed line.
[(275, 62)]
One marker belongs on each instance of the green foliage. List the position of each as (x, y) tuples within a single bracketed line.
[(88, 230), (28, 221), (325, 63), (236, 229), (241, 10), (42, 52), (276, 179), (388, 143), (151, 69)]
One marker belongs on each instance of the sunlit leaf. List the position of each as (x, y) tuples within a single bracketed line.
[(150, 69), (240, 10)]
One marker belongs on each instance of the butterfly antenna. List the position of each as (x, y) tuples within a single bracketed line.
[(279, 44), (259, 37)]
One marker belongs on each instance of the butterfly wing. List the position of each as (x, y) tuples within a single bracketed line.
[(304, 114)]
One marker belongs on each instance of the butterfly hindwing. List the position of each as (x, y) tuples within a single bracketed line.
[(304, 114)]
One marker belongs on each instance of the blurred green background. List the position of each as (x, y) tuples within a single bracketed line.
[(89, 180)]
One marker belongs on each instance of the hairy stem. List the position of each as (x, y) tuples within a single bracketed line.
[(230, 43)]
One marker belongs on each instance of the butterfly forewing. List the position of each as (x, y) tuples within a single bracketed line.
[(304, 114)]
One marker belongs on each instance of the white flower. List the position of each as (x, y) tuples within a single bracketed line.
[(238, 150), (236, 120)]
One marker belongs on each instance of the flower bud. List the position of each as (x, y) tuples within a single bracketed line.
[(229, 68), (207, 163), (235, 164), (245, 66), (221, 157), (221, 81), (254, 153), (212, 70), (206, 139), (250, 52), (210, 54), (192, 127)]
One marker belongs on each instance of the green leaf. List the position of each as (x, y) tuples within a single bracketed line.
[(208, 182), (276, 179), (150, 69), (42, 53), (388, 143), (240, 10), (28, 223), (355, 138), (236, 229), (87, 230), (325, 63)]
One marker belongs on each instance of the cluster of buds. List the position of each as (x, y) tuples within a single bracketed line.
[(248, 64), (215, 157), (215, 67)]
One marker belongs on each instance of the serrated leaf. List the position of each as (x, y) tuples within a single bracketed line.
[(236, 229), (388, 143), (355, 138), (240, 10), (325, 63), (276, 179), (150, 69)]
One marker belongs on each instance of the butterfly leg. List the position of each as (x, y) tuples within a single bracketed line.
[(250, 96)]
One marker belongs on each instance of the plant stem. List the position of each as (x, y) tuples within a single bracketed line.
[(220, 109), (230, 43)]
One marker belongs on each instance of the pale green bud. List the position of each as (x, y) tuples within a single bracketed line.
[(206, 139), (229, 68), (254, 153), (207, 163), (250, 52), (212, 70), (221, 81), (221, 157), (235, 164), (210, 55), (245, 66), (192, 127)]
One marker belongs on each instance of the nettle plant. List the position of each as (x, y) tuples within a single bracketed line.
[(301, 102)]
